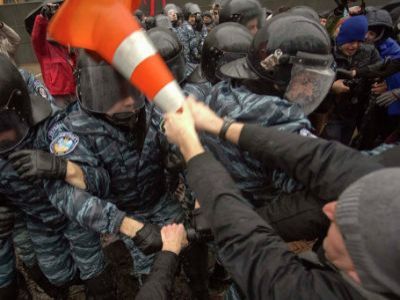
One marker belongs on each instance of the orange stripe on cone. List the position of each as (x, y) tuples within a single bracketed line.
[(108, 28), (146, 70)]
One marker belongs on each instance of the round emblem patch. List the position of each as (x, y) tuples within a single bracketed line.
[(64, 143), (42, 93)]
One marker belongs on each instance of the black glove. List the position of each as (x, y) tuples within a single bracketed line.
[(202, 228), (148, 239), (7, 217), (36, 164)]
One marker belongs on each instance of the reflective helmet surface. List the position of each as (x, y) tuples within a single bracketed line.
[(100, 86), (292, 54), (304, 11), (290, 34), (225, 43), (170, 49), (18, 110), (191, 9), (241, 11)]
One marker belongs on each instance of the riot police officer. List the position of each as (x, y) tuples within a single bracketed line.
[(61, 246)]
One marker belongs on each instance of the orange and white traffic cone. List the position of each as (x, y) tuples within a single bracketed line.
[(108, 28)]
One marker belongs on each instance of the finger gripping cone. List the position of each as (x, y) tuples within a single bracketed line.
[(108, 28)]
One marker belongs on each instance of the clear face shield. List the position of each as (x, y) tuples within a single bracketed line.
[(101, 87), (311, 79), (102, 90)]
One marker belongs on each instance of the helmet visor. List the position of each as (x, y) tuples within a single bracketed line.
[(311, 79), (101, 87), (177, 66), (12, 130), (226, 58)]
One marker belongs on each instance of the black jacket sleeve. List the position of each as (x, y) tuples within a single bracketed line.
[(161, 279), (257, 259), (326, 168)]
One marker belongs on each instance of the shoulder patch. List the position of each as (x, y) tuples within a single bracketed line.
[(64, 143), (52, 133)]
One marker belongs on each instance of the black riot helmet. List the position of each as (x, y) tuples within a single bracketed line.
[(225, 43), (18, 110), (172, 11), (190, 9), (293, 54), (170, 49), (304, 11), (101, 89), (380, 22), (163, 21), (241, 11), (169, 7)]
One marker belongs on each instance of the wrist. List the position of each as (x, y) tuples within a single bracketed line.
[(191, 149), (215, 126), (190, 145), (74, 175), (130, 227)]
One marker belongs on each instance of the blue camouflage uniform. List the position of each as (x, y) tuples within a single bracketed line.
[(199, 90), (61, 246), (36, 87), (192, 42), (7, 262), (7, 258), (19, 238), (131, 175), (22, 240), (255, 180)]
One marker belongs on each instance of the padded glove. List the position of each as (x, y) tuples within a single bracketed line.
[(148, 239), (32, 165)]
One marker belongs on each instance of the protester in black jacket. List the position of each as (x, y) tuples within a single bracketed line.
[(362, 243), (160, 282)]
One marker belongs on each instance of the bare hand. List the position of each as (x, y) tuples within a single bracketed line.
[(179, 126), (339, 87), (204, 118), (174, 238), (379, 88)]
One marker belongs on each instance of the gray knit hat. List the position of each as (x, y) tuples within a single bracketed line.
[(368, 216)]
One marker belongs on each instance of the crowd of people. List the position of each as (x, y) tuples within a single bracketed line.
[(289, 132)]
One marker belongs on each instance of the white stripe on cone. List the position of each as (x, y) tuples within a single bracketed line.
[(132, 51), (170, 98)]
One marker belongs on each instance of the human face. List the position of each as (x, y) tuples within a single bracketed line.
[(207, 20), (125, 105), (172, 15), (192, 20), (334, 245), (252, 26), (349, 49), (370, 37)]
